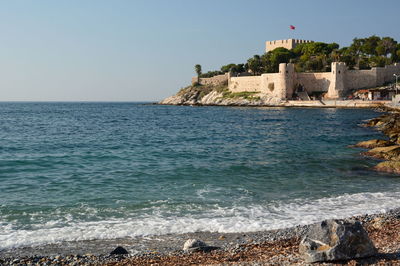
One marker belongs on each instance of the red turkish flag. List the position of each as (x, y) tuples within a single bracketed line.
[(292, 27)]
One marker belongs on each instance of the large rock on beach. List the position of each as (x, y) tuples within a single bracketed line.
[(386, 153), (119, 251), (388, 167), (333, 240), (373, 143)]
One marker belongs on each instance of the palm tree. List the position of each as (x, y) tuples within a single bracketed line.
[(197, 68)]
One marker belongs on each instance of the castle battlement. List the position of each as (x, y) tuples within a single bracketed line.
[(288, 44), (333, 84)]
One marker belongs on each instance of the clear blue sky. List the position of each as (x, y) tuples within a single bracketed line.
[(97, 50)]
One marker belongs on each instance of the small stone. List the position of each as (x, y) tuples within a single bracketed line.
[(377, 223), (221, 237), (193, 243), (119, 251)]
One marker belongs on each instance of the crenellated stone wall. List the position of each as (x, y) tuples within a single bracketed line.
[(288, 44), (335, 83)]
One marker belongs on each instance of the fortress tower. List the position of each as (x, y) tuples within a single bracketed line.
[(337, 86), (286, 80), (288, 44)]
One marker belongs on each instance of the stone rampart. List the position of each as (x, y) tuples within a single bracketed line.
[(288, 44), (271, 84), (277, 85), (389, 71), (247, 83), (361, 79), (335, 83), (213, 81), (313, 82)]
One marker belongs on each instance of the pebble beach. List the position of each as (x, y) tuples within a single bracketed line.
[(258, 248)]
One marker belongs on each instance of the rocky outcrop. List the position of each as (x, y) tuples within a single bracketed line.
[(385, 153), (333, 240), (388, 167), (388, 124), (205, 95), (373, 143)]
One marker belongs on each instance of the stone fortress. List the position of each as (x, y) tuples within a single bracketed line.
[(288, 44), (283, 85)]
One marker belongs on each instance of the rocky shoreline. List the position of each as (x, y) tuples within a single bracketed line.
[(218, 95), (257, 248), (387, 150), (207, 95)]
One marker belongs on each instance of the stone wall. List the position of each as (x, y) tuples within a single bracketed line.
[(389, 71), (361, 79), (336, 83), (213, 81), (277, 85), (249, 83), (271, 84), (288, 44), (312, 82)]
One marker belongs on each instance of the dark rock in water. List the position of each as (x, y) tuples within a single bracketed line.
[(119, 251), (333, 240), (195, 245)]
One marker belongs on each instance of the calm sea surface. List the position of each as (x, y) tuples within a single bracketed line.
[(76, 171)]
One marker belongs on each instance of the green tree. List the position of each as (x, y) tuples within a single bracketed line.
[(255, 65), (386, 46), (378, 61), (228, 68), (233, 68), (370, 44), (363, 63), (355, 47), (396, 54), (272, 59), (197, 68)]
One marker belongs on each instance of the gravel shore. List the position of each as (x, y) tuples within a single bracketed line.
[(257, 248)]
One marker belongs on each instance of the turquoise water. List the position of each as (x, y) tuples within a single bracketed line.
[(77, 171)]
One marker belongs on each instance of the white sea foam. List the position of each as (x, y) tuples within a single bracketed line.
[(273, 215)]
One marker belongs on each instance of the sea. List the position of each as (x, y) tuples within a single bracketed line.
[(85, 171)]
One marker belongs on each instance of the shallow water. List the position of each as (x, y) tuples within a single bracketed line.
[(80, 171)]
